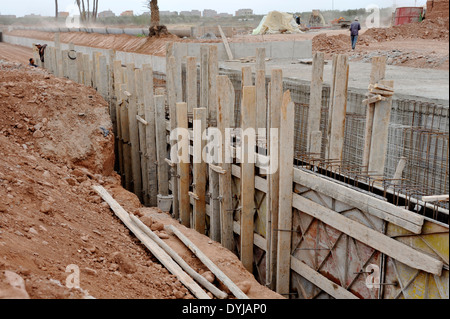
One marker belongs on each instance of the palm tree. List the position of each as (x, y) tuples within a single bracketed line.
[(56, 9), (156, 30), (87, 15)]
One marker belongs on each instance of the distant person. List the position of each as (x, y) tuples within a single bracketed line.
[(354, 32), (298, 20), (41, 49), (32, 63)]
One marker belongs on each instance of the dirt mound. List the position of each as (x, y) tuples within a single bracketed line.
[(53, 225), (63, 121), (436, 29), (437, 9)]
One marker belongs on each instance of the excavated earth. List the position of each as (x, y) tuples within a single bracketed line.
[(56, 142)]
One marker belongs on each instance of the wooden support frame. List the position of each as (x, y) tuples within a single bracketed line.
[(226, 100), (199, 170), (248, 122), (225, 43), (370, 237), (287, 113)]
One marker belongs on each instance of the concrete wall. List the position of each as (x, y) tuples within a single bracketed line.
[(158, 63)]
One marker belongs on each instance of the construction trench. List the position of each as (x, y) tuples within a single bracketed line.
[(357, 207)]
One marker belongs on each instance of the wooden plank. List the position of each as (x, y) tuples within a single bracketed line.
[(248, 122), (286, 160), (191, 83), (247, 76), (435, 198), (208, 263), (276, 99), (226, 100), (204, 75), (134, 132), (320, 281), (380, 135), (118, 81), (366, 203), (260, 59), (161, 145), (183, 166), (315, 104), (180, 261), (225, 42), (261, 101), (142, 135), (370, 237), (150, 135), (378, 73), (338, 115), (200, 169), (172, 100), (213, 72), (156, 250), (126, 140)]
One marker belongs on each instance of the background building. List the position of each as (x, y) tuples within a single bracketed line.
[(244, 12)]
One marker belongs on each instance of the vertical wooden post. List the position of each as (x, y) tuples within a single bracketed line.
[(178, 76), (331, 104), (214, 203), (225, 108), (247, 76), (378, 73), (126, 138), (118, 81), (150, 136), (315, 103), (87, 72), (248, 143), (134, 133), (286, 161), (380, 133), (204, 75), (183, 166), (213, 73), (80, 71), (102, 77), (73, 74), (142, 134), (161, 145), (276, 99), (191, 83), (261, 95), (337, 132), (172, 100), (65, 63), (200, 168)]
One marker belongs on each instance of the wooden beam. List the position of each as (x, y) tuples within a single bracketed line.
[(142, 135), (118, 81), (213, 72), (261, 100), (247, 76), (339, 109), (286, 160), (191, 83), (161, 146), (435, 198), (315, 104), (208, 263), (172, 100), (200, 169), (126, 139), (370, 237), (180, 261), (150, 135), (366, 203), (204, 75), (276, 100), (320, 281), (378, 73), (225, 42), (183, 166), (134, 132), (156, 250), (226, 100), (248, 122)]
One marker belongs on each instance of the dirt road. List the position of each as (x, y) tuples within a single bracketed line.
[(15, 53)]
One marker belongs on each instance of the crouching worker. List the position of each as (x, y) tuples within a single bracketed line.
[(32, 63)]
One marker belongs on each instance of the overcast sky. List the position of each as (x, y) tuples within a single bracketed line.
[(46, 7)]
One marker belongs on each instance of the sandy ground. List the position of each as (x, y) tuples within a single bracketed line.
[(15, 53), (55, 144)]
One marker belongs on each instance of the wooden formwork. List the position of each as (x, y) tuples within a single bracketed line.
[(302, 233)]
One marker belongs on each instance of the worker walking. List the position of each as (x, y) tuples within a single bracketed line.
[(354, 32)]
